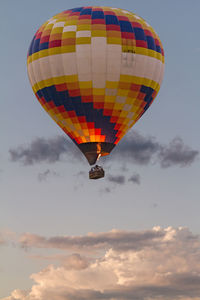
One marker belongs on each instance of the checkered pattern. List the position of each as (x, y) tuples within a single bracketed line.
[(95, 70)]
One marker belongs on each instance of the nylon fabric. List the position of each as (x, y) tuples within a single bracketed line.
[(96, 70)]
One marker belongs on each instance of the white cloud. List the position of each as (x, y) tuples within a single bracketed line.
[(163, 264)]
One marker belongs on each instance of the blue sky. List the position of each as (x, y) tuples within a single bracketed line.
[(57, 199)]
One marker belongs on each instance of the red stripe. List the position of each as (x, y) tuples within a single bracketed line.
[(107, 112), (61, 87), (108, 12), (141, 43), (87, 99), (51, 104), (113, 27), (38, 35), (148, 32), (74, 13), (61, 108), (85, 17), (71, 113), (98, 105), (128, 35), (82, 119), (135, 87), (98, 21), (74, 93), (56, 43), (41, 100), (44, 39), (157, 42), (122, 18), (117, 126), (141, 96), (97, 131), (114, 119), (90, 125), (136, 24)]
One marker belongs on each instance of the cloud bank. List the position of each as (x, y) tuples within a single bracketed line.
[(44, 150), (43, 176), (157, 264), (134, 148), (177, 154), (121, 179), (115, 239)]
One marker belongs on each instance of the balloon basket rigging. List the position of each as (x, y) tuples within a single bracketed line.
[(96, 172)]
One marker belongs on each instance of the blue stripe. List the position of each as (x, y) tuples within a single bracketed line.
[(150, 42), (139, 34), (75, 9), (97, 15), (86, 11), (158, 49), (148, 98), (125, 26), (81, 109), (30, 50), (111, 20)]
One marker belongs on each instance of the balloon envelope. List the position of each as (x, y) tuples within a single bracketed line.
[(95, 70)]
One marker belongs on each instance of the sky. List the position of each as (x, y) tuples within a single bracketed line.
[(132, 235)]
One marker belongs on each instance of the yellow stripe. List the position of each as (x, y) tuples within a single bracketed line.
[(68, 34), (85, 84), (123, 92), (84, 27), (149, 52), (109, 99), (57, 30), (88, 84), (111, 40), (112, 84), (54, 80), (83, 40), (140, 80), (98, 91), (51, 51), (96, 33), (71, 22)]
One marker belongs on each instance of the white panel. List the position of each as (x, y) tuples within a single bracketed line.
[(151, 69), (52, 21), (31, 75), (161, 74), (120, 99), (91, 65), (59, 24), (98, 47), (35, 72), (69, 63), (113, 62), (111, 92), (127, 107), (85, 77), (144, 66), (53, 65), (83, 33), (130, 115), (147, 24), (137, 17), (70, 28), (83, 60), (128, 61)]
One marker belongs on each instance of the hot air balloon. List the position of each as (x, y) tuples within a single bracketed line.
[(95, 70)]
